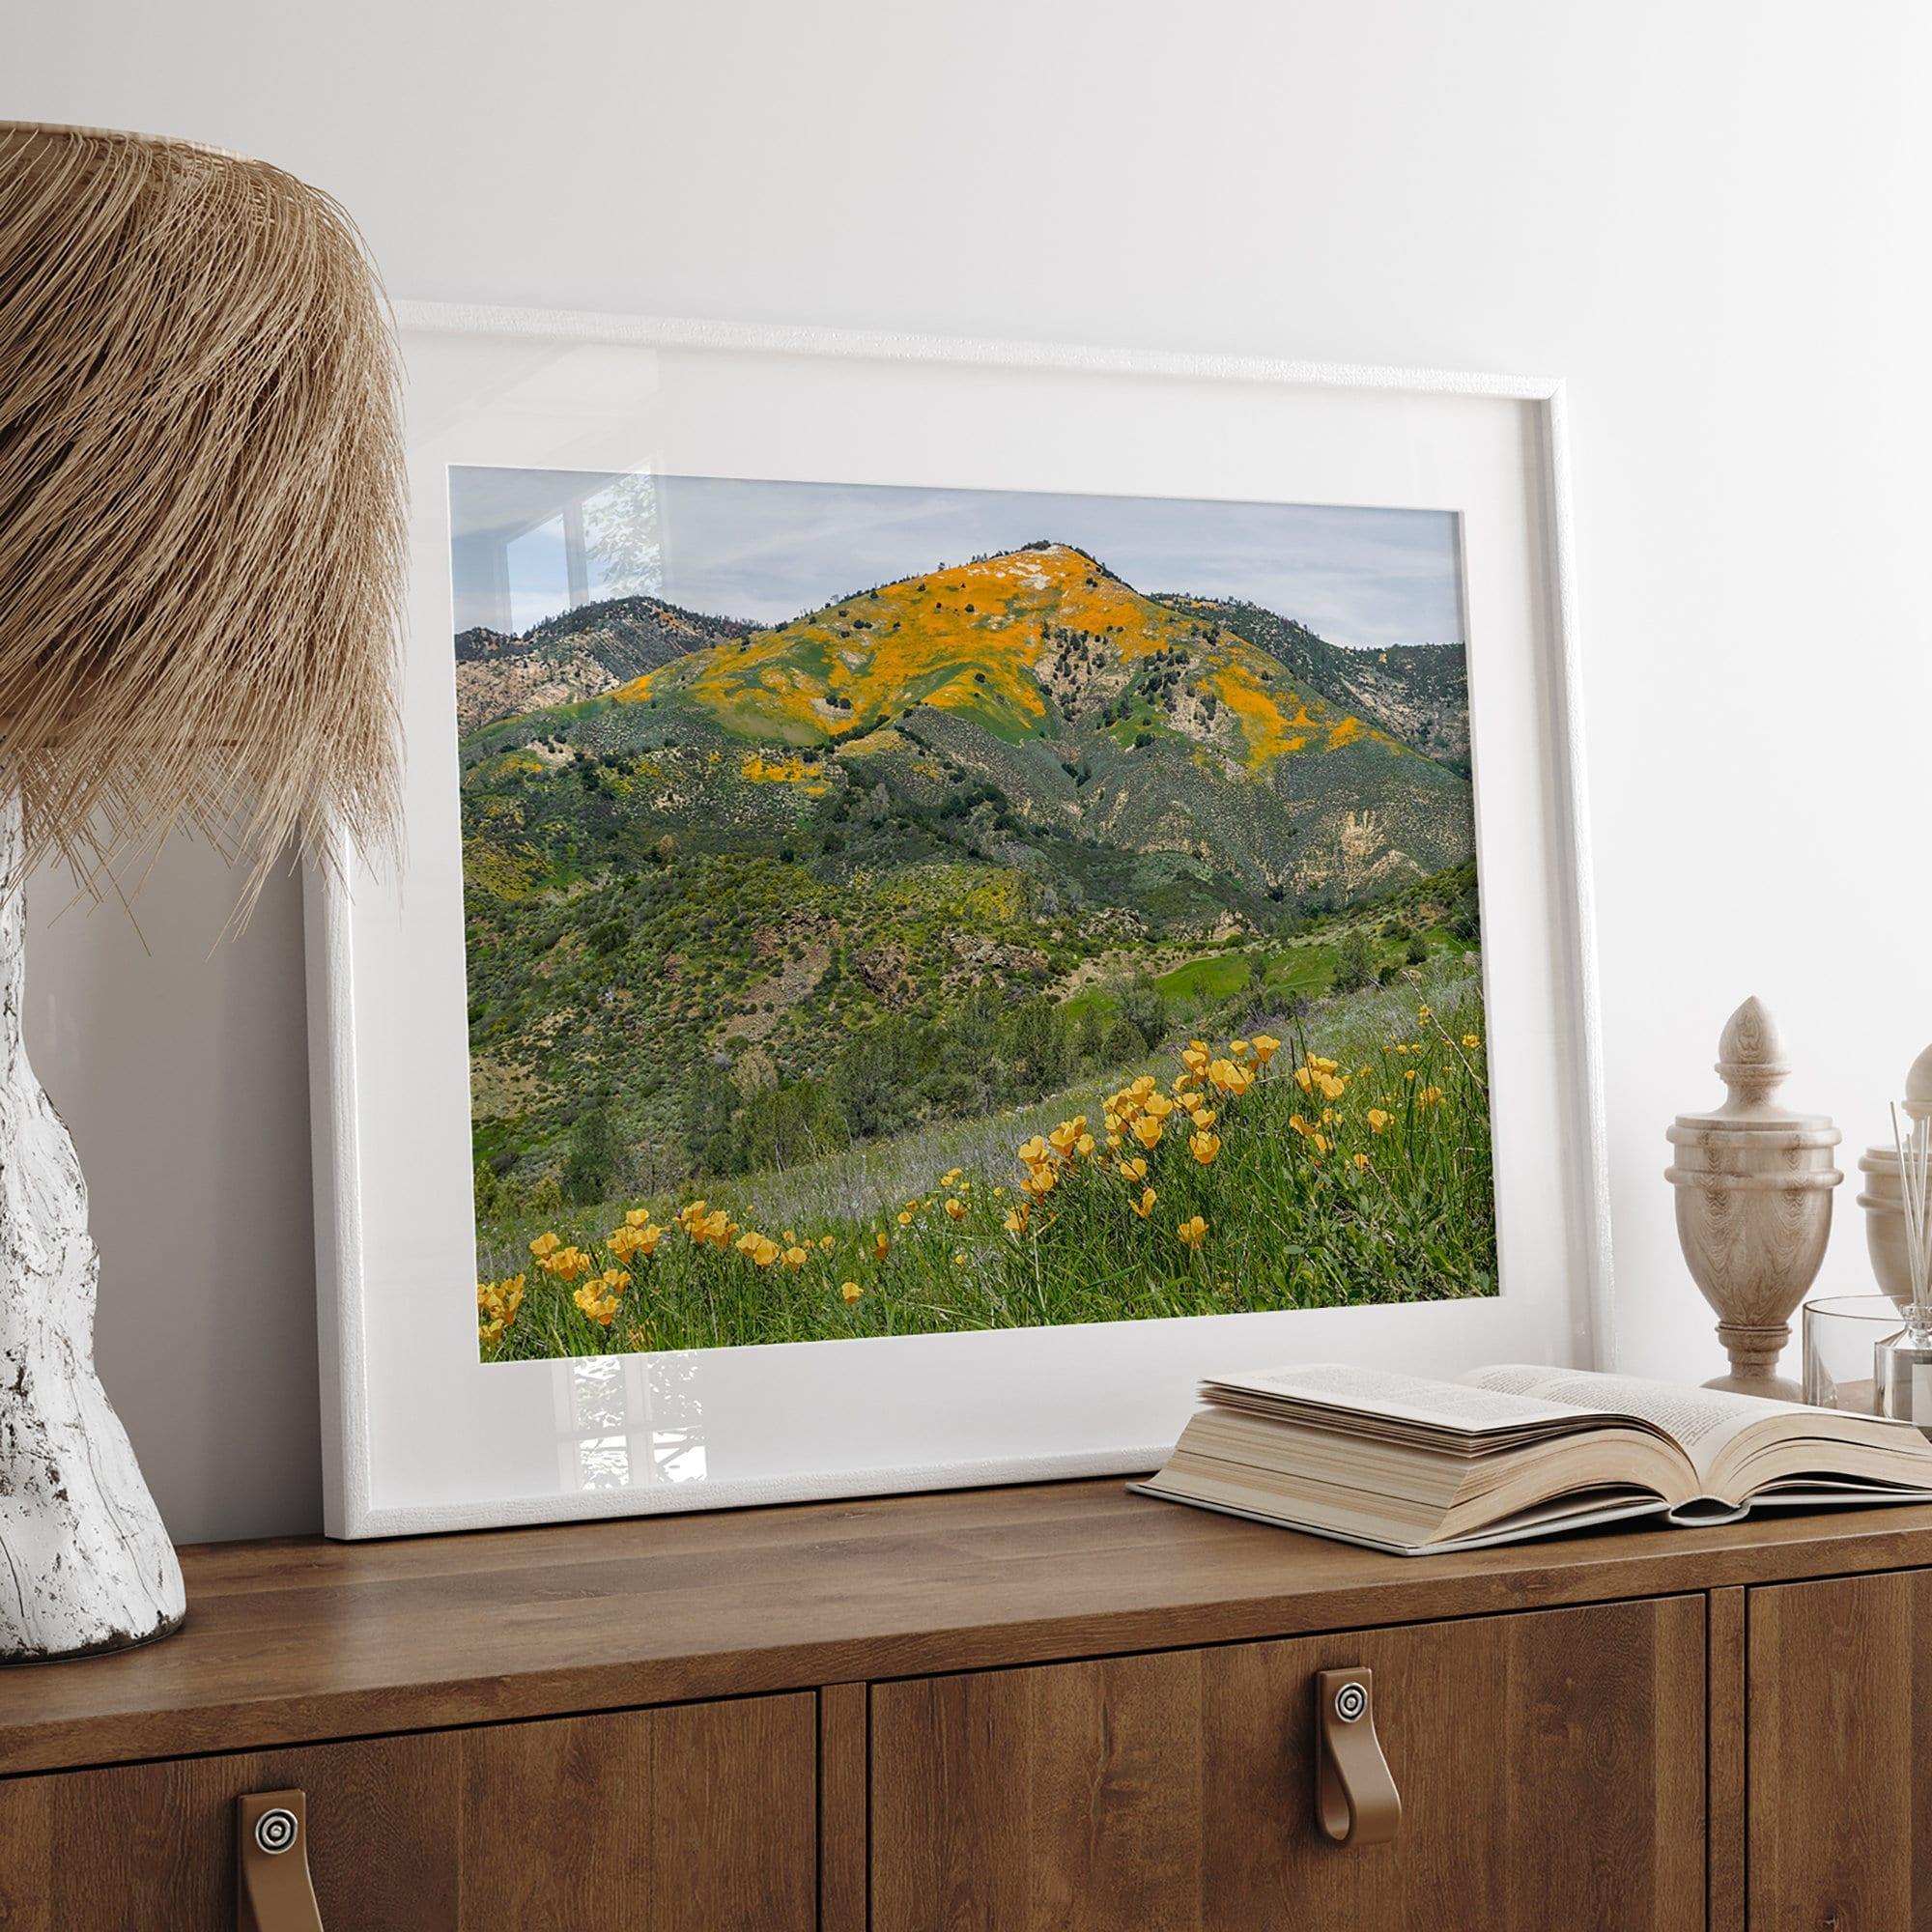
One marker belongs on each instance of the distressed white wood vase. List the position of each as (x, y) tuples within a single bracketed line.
[(85, 1563), (1753, 1184)]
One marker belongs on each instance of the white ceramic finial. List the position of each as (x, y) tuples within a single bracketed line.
[(1918, 1088)]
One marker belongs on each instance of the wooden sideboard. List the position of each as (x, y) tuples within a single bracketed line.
[(1057, 1707)]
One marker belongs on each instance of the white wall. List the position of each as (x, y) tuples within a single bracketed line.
[(1710, 217)]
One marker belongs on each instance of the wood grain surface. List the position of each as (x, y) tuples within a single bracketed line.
[(844, 1806), (300, 1642), (1552, 1769), (1725, 1774), (698, 1818), (1840, 1736)]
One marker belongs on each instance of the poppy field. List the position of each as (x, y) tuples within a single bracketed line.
[(1343, 1160)]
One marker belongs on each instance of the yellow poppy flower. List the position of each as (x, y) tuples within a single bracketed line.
[(1266, 1048), (1192, 1233), (637, 1217), (598, 1302), (795, 1257), (905, 1219), (881, 1245), (567, 1264), (1202, 1117), (1430, 1096), (957, 1208), (850, 1292), (1148, 1131), (1472, 1041), (1142, 1206), (1016, 1219), (1204, 1147), (1378, 1118), (545, 1244), (1135, 1169), (1361, 1163)]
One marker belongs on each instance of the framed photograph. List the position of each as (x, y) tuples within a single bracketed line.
[(953, 889)]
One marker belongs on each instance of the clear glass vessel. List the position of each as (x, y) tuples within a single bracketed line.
[(1842, 1333)]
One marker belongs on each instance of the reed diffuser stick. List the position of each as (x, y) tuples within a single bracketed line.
[(1915, 1186)]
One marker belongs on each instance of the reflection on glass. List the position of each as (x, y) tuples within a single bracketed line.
[(621, 539), (624, 1420), (530, 545), (537, 566)]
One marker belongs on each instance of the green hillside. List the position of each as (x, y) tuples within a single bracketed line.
[(926, 851)]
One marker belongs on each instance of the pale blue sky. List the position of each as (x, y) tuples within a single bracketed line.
[(767, 550)]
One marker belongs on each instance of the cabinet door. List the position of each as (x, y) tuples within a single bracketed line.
[(698, 1818), (1551, 1766), (1838, 1741)]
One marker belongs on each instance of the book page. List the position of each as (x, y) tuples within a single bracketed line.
[(1384, 1392), (1702, 1421)]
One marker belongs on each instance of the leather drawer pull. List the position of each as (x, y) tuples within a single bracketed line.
[(272, 1892), (1355, 1799)]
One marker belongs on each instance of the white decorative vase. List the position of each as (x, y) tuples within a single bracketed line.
[(1884, 1200), (85, 1563)]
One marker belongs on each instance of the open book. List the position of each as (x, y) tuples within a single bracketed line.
[(1404, 1464)]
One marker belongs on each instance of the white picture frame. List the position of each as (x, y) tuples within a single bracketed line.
[(419, 1436)]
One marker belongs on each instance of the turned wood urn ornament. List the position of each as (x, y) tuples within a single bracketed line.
[(1753, 1184), (1884, 1196)]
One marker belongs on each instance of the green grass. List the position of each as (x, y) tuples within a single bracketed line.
[(1293, 1218), (1217, 978)]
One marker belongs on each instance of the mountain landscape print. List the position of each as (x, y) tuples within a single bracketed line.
[(897, 910)]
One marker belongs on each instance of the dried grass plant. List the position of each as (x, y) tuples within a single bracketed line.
[(201, 507)]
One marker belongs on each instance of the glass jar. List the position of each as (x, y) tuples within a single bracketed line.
[(1840, 1333)]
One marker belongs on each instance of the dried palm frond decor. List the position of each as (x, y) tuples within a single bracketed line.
[(201, 553)]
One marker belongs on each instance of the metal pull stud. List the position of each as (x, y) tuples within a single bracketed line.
[(1355, 1799), (272, 1892)]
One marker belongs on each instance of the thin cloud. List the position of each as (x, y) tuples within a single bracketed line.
[(767, 550)]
